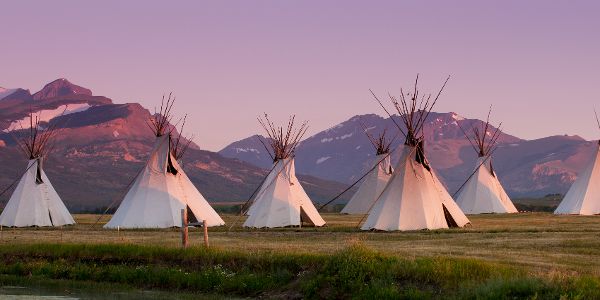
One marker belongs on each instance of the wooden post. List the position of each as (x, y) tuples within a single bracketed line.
[(205, 227), (184, 228)]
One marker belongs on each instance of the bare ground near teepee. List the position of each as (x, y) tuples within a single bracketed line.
[(540, 242)]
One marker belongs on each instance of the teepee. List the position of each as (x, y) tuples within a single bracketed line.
[(414, 198), (281, 201), (162, 189), (375, 181), (34, 201), (483, 193), (583, 198)]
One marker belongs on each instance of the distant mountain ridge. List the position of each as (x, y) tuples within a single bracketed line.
[(4, 92), (55, 98), (101, 146), (343, 153)]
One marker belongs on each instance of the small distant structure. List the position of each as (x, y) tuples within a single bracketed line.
[(376, 180), (414, 198), (482, 192), (35, 202), (281, 201), (162, 189), (583, 198)]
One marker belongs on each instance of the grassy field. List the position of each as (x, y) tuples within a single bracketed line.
[(558, 251)]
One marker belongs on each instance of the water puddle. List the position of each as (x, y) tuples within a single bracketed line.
[(23, 293), (38, 293)]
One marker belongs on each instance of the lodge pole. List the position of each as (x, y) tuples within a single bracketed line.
[(205, 227), (184, 228)]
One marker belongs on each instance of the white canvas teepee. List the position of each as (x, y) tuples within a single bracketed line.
[(483, 193), (162, 189), (374, 182), (414, 198), (34, 201), (583, 198), (281, 201), (371, 187)]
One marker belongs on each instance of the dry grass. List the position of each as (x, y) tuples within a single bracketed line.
[(541, 242)]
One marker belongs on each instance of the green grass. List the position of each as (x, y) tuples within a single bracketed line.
[(531, 255), (355, 272)]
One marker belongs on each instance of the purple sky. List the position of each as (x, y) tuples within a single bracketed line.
[(537, 62)]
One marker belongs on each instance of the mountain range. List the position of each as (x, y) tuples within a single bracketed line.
[(100, 147), (344, 153)]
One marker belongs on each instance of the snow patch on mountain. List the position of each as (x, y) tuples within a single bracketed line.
[(338, 126), (47, 115), (331, 139), (440, 120), (322, 160), (246, 150), (456, 117), (345, 136)]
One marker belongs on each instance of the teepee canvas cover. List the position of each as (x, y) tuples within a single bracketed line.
[(583, 198), (281, 201), (375, 181), (414, 198), (34, 201), (162, 189), (483, 193), (371, 187)]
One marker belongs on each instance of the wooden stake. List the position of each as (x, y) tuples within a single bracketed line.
[(184, 228), (205, 227)]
